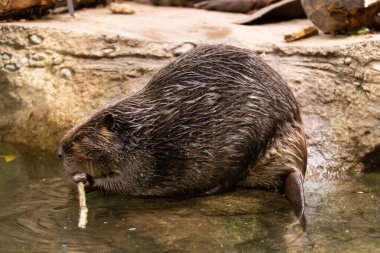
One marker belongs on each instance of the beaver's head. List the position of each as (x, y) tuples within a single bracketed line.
[(94, 147)]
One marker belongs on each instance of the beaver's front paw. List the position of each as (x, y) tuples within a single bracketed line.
[(85, 179)]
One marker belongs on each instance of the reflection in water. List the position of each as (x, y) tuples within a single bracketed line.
[(39, 212)]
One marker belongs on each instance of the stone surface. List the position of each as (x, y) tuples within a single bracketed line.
[(339, 99), (56, 72)]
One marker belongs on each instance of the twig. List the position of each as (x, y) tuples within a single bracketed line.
[(300, 34), (83, 210)]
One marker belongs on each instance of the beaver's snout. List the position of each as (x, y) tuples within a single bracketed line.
[(66, 158), (60, 153)]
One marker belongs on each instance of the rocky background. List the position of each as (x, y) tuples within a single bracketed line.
[(51, 79)]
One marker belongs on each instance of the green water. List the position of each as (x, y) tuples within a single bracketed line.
[(39, 213)]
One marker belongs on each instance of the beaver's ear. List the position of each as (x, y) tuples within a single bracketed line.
[(110, 122)]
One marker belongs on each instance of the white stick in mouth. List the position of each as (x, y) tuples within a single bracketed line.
[(83, 210)]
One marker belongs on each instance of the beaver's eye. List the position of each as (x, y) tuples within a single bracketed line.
[(110, 122), (77, 138)]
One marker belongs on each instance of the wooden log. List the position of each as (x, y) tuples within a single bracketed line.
[(341, 16), (300, 34), (29, 9)]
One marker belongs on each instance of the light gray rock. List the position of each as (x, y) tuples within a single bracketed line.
[(35, 39), (66, 73), (6, 57), (181, 49), (57, 60), (10, 66)]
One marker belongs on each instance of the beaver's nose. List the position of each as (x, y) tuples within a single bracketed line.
[(60, 153)]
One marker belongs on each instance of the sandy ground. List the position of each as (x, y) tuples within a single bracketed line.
[(186, 24)]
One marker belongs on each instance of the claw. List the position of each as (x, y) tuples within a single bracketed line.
[(80, 177), (84, 178)]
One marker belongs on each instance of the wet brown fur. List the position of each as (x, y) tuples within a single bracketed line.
[(215, 118), (287, 153)]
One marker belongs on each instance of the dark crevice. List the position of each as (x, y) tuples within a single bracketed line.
[(371, 160)]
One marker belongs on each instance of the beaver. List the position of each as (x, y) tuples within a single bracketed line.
[(216, 118)]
